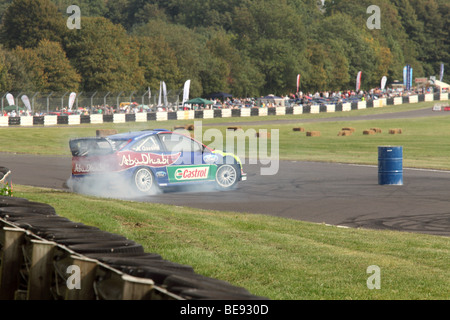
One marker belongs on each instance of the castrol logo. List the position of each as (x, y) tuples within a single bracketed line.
[(191, 173)]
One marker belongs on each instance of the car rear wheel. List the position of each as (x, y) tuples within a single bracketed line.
[(144, 181), (227, 176)]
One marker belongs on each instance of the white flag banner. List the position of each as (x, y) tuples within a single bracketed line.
[(160, 94), (165, 93), (187, 86), (72, 98), (383, 82), (149, 95), (10, 99), (26, 102)]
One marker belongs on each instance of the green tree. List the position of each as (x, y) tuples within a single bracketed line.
[(241, 75), (89, 8), (4, 76), (105, 56), (200, 13), (280, 63), (434, 45), (27, 22), (4, 4), (158, 62), (33, 65), (60, 75), (274, 36), (362, 51), (117, 11), (48, 67), (17, 77), (189, 48)]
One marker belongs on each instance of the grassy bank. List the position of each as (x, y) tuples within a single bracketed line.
[(277, 258)]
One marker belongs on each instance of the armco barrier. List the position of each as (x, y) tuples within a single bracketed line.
[(52, 120), (44, 256)]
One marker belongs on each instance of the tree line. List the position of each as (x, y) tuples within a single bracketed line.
[(244, 47)]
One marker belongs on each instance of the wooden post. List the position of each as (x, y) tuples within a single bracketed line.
[(41, 270), (136, 288), (88, 268), (11, 258)]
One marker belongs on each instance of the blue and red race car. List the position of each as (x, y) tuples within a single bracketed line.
[(152, 159)]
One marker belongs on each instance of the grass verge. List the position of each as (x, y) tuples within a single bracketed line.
[(273, 257)]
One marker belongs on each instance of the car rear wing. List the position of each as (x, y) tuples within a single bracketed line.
[(96, 146)]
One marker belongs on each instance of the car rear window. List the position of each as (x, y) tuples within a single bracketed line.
[(90, 147), (118, 144)]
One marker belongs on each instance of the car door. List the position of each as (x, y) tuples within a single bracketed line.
[(149, 152), (191, 165)]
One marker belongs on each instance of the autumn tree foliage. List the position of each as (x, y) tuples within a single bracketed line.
[(26, 22), (245, 47)]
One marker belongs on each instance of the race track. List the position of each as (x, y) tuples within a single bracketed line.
[(336, 194)]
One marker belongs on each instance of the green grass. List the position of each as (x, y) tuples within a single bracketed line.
[(272, 257)]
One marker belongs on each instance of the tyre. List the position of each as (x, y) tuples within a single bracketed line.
[(227, 176), (203, 294), (6, 201), (82, 234), (177, 283), (106, 247), (144, 182), (27, 210)]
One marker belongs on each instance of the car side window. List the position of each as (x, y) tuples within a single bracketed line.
[(146, 145), (176, 143)]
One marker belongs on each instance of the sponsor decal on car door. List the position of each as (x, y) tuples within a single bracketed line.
[(191, 173)]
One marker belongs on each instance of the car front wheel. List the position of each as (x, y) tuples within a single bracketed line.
[(227, 176)]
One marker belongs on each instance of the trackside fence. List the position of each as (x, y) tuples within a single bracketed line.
[(150, 116)]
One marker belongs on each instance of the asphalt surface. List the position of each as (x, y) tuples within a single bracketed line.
[(336, 194)]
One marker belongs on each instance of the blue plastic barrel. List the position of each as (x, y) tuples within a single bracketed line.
[(390, 165)]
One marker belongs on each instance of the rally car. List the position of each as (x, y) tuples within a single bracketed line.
[(150, 160)]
